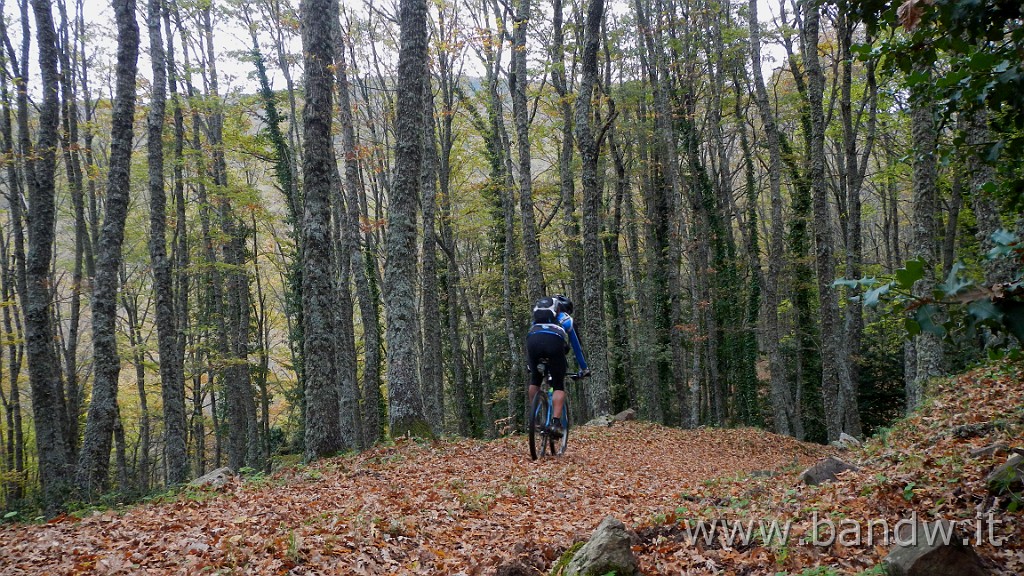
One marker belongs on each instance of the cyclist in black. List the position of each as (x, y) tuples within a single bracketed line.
[(550, 338)]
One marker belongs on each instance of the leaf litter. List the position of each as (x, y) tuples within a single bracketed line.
[(470, 506)]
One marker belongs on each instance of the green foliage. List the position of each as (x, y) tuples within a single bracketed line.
[(978, 45), (880, 387), (969, 306)]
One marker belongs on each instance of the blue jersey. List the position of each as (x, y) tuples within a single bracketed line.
[(563, 328)]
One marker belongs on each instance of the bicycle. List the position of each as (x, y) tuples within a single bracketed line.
[(541, 437)]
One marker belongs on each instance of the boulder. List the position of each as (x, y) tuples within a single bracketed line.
[(628, 414), (825, 470), (990, 451), (608, 550), (920, 552), (602, 421), (215, 479), (1008, 478)]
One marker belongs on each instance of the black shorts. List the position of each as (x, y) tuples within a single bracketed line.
[(551, 348)]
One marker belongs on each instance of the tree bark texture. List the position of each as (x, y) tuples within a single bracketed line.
[(924, 235), (405, 403), (172, 371), (593, 211), (835, 373), (323, 427), (94, 459)]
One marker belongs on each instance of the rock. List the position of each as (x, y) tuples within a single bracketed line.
[(990, 451), (608, 550), (628, 414), (920, 551), (215, 479), (1007, 478), (602, 421), (966, 431), (825, 470), (846, 442), (516, 568)]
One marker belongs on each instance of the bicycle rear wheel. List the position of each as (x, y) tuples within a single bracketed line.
[(538, 423), (558, 445)]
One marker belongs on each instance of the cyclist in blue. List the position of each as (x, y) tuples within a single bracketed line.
[(550, 338)]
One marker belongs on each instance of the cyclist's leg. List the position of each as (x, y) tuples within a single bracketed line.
[(534, 352), (557, 370)]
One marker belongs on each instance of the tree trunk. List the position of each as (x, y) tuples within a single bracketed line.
[(986, 208), (47, 397), (451, 276), (431, 368), (94, 460), (589, 146), (172, 371), (405, 403), (323, 427), (12, 290), (73, 169), (362, 264), (785, 407), (130, 302), (924, 234), (856, 169), (835, 377), (518, 81)]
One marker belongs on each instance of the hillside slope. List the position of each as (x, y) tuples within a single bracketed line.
[(468, 507), (921, 470)]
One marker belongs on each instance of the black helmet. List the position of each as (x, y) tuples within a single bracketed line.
[(563, 303)]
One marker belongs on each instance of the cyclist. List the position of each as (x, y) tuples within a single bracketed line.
[(550, 338)]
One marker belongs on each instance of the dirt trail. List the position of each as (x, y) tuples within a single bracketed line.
[(445, 507)]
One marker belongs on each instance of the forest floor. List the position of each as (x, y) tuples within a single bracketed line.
[(470, 507)]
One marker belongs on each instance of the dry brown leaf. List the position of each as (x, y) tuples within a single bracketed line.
[(909, 13)]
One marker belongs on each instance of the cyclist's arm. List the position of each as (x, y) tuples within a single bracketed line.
[(574, 341)]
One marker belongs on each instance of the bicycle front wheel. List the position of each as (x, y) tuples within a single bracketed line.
[(538, 425)]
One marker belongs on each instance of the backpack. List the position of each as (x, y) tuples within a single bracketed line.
[(545, 311)]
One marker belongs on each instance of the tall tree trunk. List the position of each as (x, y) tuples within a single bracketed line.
[(856, 169), (452, 277), (94, 460), (287, 180), (180, 246), (566, 176), (345, 346), (12, 286), (664, 210), (924, 234), (362, 263), (785, 406), (518, 81), (230, 293), (47, 398), (589, 146), (835, 373), (172, 371), (405, 403), (73, 169), (431, 368), (986, 208), (323, 426)]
